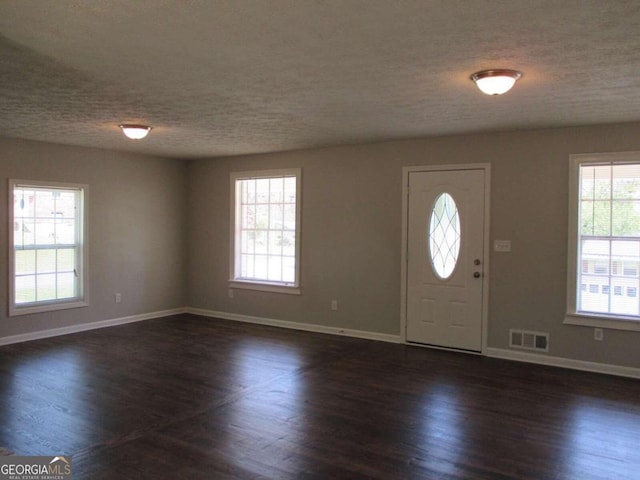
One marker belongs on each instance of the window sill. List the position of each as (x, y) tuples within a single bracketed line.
[(264, 287), (600, 321), (15, 311)]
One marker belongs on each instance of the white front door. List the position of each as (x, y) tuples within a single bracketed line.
[(445, 258)]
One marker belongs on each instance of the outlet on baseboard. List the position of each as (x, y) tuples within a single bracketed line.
[(334, 305), (118, 297)]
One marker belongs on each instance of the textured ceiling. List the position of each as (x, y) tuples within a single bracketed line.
[(247, 76)]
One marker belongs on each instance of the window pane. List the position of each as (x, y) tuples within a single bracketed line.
[(626, 218), (25, 289), (595, 261), (444, 236), (260, 267), (275, 242), (262, 216), (601, 267), (25, 262), (276, 216), (595, 217), (262, 190), (261, 241), (44, 231), (602, 218), (46, 287), (247, 266), (289, 217), (288, 243), (247, 241), (587, 220), (23, 203), (66, 285), (275, 268), (277, 190), (66, 205), (46, 261), (626, 182), (250, 187), (595, 182), (624, 251), (248, 216), (290, 190), (24, 232), (289, 269), (65, 231), (44, 207), (66, 260)]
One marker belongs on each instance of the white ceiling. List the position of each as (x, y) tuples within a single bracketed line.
[(247, 76)]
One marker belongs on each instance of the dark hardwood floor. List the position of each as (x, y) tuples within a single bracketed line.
[(187, 397)]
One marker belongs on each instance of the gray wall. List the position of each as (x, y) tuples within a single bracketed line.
[(137, 236), (351, 231), (159, 232)]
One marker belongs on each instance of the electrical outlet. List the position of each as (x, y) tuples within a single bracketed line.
[(598, 334), (334, 305), (118, 298), (231, 293)]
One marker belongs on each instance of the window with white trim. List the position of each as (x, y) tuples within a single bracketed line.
[(265, 243), (604, 240), (47, 254)]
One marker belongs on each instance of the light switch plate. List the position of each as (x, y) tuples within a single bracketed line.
[(502, 245)]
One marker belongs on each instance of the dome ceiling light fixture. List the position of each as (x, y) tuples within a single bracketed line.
[(496, 82), (135, 132)]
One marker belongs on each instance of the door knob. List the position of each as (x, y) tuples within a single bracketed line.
[(476, 274)]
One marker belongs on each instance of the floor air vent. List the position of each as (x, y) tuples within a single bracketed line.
[(529, 340)]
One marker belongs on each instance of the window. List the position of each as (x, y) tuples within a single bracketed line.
[(47, 259), (444, 236), (601, 267), (604, 240), (265, 243)]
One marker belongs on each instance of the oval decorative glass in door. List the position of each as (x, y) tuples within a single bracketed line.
[(444, 236)]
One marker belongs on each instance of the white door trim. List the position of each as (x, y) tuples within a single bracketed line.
[(486, 247)]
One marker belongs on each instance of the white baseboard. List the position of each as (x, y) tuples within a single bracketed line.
[(502, 353), (307, 327), (563, 362), (83, 327)]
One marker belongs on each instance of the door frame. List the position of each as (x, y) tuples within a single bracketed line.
[(406, 171)]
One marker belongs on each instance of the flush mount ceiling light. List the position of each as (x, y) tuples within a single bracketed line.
[(135, 132), (496, 82)]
